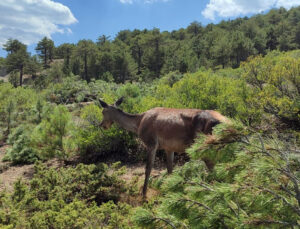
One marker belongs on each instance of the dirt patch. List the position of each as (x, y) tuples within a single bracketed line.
[(134, 176), (3, 165), (138, 170), (4, 78), (9, 174)]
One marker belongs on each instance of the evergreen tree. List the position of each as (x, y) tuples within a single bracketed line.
[(137, 52), (124, 67), (153, 55), (222, 50), (84, 51), (12, 46), (195, 28), (45, 49), (272, 41), (17, 57), (33, 66), (65, 51), (102, 40), (242, 47), (124, 35)]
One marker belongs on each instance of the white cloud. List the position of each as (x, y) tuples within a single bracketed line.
[(232, 8), (30, 20), (141, 1)]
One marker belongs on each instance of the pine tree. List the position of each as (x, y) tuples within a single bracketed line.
[(84, 50), (45, 48), (255, 182), (17, 57)]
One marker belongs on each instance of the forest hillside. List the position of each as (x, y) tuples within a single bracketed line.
[(78, 175)]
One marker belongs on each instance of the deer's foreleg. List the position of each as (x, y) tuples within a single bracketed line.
[(149, 165), (170, 159)]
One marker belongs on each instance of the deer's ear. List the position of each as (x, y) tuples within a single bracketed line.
[(119, 101), (103, 104)]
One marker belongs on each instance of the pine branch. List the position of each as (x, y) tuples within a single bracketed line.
[(293, 178), (286, 170), (200, 184), (236, 214), (259, 222), (164, 220), (262, 143), (297, 210), (196, 203), (287, 191)]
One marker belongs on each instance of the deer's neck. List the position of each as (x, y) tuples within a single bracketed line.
[(127, 121)]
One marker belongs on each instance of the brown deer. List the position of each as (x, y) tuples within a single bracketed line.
[(172, 130)]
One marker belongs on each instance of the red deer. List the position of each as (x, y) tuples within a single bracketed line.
[(172, 130)]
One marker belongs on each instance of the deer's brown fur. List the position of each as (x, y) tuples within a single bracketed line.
[(172, 130)]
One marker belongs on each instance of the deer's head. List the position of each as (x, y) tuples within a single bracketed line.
[(109, 112)]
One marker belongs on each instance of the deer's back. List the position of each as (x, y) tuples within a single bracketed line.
[(175, 129)]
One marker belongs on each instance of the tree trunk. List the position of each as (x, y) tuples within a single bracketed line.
[(50, 55), (86, 68), (139, 61), (45, 58), (8, 126), (157, 57), (21, 75), (68, 59)]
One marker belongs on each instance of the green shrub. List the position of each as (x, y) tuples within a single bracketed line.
[(78, 214), (254, 184), (202, 90), (84, 182), (15, 105), (67, 91), (37, 111), (275, 82), (21, 151), (14, 78), (72, 90), (52, 135), (79, 197), (99, 144)]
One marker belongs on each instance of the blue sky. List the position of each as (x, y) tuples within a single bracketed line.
[(108, 17), (72, 20)]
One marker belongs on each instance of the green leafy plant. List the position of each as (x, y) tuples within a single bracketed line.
[(21, 151), (96, 143), (275, 81), (50, 136)]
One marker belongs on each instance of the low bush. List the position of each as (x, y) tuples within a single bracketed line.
[(99, 144), (275, 81), (84, 182), (51, 138), (21, 151), (67, 198), (15, 106)]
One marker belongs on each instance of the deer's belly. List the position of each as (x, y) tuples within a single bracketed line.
[(173, 145)]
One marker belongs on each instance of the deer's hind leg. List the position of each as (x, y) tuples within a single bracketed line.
[(170, 159), (150, 161)]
